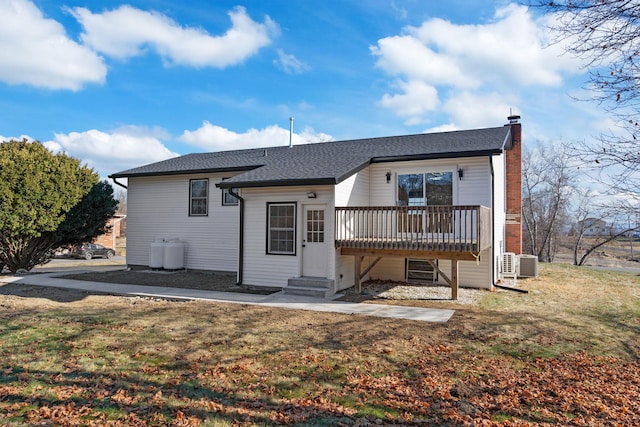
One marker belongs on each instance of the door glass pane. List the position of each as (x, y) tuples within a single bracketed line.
[(439, 188), (411, 190), (315, 226)]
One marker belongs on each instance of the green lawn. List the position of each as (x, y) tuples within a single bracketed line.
[(566, 353)]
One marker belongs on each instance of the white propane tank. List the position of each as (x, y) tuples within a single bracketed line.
[(173, 255), (156, 254)]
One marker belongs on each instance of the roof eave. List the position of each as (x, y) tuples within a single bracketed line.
[(431, 156), (294, 182), (183, 172), (352, 171), (507, 144)]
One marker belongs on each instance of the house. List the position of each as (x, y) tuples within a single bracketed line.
[(436, 208), (114, 230), (594, 227)]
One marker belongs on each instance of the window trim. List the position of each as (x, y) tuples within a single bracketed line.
[(424, 172), (225, 192), (206, 197), (268, 250)]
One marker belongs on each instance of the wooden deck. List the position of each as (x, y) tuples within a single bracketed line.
[(456, 233), (442, 229)]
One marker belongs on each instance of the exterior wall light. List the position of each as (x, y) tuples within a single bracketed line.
[(311, 195), (388, 177), (460, 173)]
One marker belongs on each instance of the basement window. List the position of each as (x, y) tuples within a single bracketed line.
[(420, 271)]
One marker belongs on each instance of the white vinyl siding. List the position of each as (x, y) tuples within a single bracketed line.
[(499, 208), (473, 189), (470, 274), (158, 209), (353, 191), (263, 269)]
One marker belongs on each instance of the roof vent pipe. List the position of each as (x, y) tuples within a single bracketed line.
[(290, 132)]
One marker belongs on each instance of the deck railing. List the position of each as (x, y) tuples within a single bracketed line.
[(429, 228)]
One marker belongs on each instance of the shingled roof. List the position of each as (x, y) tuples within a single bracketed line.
[(327, 163)]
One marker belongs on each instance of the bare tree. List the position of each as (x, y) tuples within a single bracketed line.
[(121, 197), (587, 214), (547, 181), (606, 34)]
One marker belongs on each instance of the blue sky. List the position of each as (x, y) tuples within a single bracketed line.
[(121, 84)]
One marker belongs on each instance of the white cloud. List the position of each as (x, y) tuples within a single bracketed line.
[(416, 99), (310, 136), (15, 138), (409, 57), (216, 138), (449, 127), (290, 64), (471, 110), (399, 12), (127, 31), (513, 48), (503, 58), (36, 51), (108, 153)]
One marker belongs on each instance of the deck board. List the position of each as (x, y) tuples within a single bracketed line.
[(449, 231)]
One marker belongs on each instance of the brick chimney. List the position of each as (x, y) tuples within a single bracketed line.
[(513, 227)]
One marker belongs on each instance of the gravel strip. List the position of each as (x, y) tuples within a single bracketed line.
[(226, 282), (406, 291)]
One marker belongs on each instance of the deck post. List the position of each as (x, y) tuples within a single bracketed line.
[(356, 272), (454, 279), (371, 265)]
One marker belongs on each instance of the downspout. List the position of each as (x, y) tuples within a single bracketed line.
[(115, 181), (240, 236), (493, 224)]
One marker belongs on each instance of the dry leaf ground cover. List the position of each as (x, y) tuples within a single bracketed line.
[(567, 353)]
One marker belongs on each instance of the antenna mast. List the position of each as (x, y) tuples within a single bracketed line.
[(290, 132)]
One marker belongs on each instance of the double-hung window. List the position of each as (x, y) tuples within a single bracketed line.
[(198, 197), (281, 228)]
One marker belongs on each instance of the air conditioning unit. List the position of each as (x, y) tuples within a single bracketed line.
[(509, 264), (527, 266)]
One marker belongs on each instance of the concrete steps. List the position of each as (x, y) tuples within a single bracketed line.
[(316, 287)]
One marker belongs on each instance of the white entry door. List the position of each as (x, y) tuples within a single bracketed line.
[(314, 242)]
